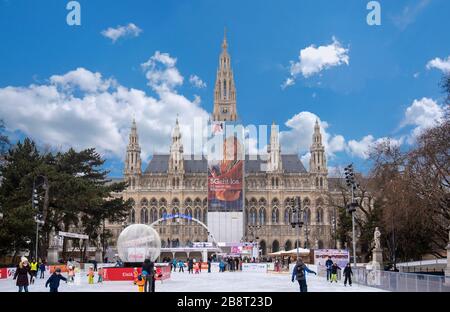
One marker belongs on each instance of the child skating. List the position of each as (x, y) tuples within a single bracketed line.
[(54, 280), (140, 282), (71, 273), (100, 275), (334, 269), (90, 275)]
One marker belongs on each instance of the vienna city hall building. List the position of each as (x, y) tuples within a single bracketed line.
[(175, 183)]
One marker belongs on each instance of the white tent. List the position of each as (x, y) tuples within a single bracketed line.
[(293, 252)]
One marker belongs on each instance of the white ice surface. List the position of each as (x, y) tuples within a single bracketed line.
[(203, 282)]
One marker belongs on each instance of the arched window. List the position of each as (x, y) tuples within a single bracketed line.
[(288, 245), (275, 246), (144, 215), (162, 212), (307, 216), (189, 215), (275, 216), (153, 215), (287, 216), (132, 216), (317, 181), (321, 182), (198, 214), (205, 216), (262, 216), (253, 216), (144, 202), (319, 215)]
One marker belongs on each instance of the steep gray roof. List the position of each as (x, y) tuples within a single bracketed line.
[(160, 163)]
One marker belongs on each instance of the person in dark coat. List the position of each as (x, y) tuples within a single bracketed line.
[(148, 271), (95, 265), (54, 280), (42, 269), (348, 275), (22, 272), (299, 274), (329, 264), (334, 269), (191, 266), (209, 264)]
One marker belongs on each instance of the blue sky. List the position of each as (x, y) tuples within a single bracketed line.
[(385, 90)]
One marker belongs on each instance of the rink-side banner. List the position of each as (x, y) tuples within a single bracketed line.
[(127, 274), (225, 171)]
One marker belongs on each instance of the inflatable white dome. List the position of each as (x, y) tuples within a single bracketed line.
[(138, 242)]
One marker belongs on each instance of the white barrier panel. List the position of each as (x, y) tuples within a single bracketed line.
[(215, 267), (254, 267), (271, 266)]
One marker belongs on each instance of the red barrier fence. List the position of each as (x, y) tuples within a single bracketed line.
[(127, 274), (3, 273)]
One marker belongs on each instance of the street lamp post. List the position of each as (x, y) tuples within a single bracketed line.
[(351, 208), (296, 221), (34, 205)]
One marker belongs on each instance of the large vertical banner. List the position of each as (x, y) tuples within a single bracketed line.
[(226, 182), (225, 174)]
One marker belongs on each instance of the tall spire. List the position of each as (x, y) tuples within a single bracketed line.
[(133, 156), (274, 150), (318, 160), (224, 90), (176, 163)]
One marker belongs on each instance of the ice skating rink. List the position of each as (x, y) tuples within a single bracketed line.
[(203, 282)]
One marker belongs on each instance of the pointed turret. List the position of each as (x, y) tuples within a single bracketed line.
[(176, 163), (133, 157), (274, 164), (224, 90), (318, 161)]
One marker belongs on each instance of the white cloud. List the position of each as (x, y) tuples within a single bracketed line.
[(197, 82), (82, 109), (441, 64), (363, 147), (312, 60), (130, 30), (422, 114), (82, 79), (416, 75), (298, 138), (161, 72)]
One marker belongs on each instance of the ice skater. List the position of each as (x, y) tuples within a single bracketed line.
[(298, 273), (100, 275), (348, 274), (21, 274), (334, 269), (140, 283), (180, 266), (329, 264), (197, 268), (33, 270), (71, 273), (42, 269), (90, 275), (54, 280)]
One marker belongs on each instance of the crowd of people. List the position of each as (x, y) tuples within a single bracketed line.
[(26, 272)]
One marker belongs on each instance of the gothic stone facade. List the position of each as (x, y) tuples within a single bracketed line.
[(177, 183)]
